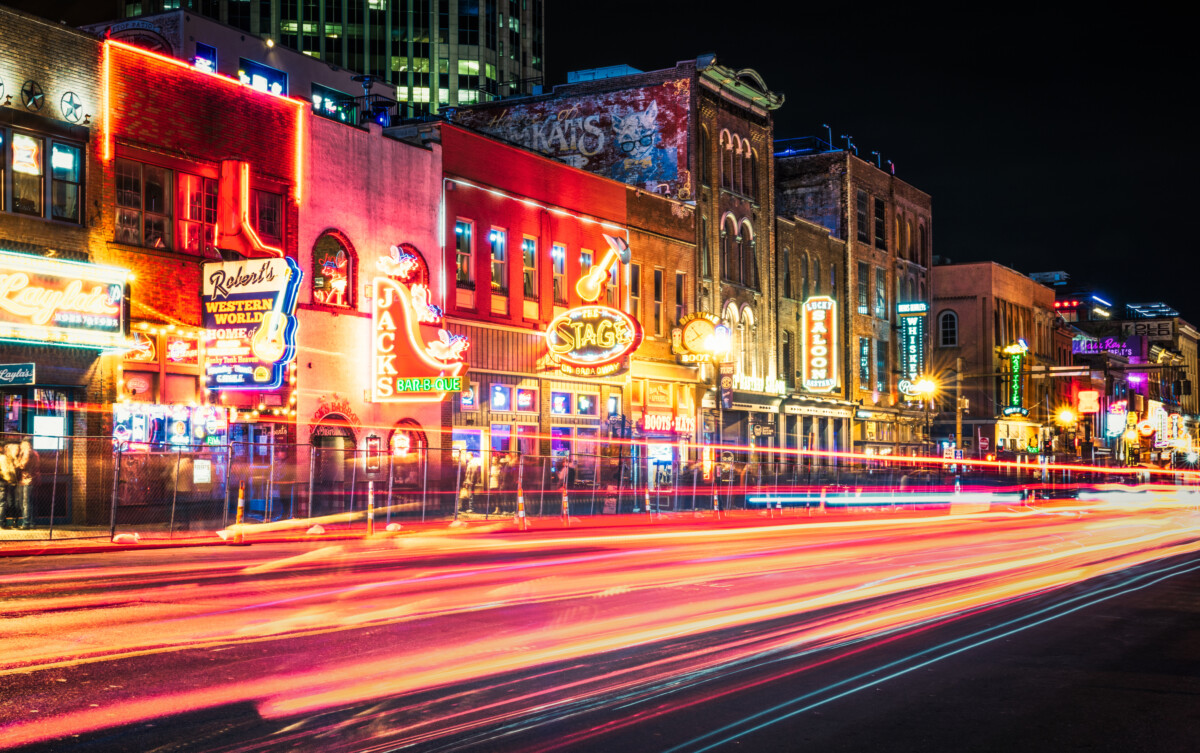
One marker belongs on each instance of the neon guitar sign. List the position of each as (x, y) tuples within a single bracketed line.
[(250, 332), (593, 282)]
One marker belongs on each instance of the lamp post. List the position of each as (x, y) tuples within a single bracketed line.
[(1066, 420)]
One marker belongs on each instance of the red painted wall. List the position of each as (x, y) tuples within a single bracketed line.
[(520, 174)]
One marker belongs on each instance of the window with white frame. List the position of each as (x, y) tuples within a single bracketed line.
[(558, 258), (464, 275), (499, 243), (529, 272), (948, 329)]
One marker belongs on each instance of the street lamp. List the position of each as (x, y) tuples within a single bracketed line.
[(1066, 420), (926, 387)]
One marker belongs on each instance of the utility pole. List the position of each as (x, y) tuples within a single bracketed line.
[(958, 403)]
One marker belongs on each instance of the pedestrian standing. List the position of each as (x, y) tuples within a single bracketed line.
[(8, 480), (26, 472)]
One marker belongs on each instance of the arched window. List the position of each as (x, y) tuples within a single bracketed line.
[(922, 247), (897, 246), (731, 261), (705, 167), (805, 276), (948, 329), (749, 257), (753, 183), (724, 144), (786, 274), (750, 343), (816, 275), (833, 279), (333, 274), (908, 241)]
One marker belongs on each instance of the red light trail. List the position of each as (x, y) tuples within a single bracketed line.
[(463, 613)]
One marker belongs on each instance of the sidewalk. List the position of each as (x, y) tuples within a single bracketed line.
[(79, 540)]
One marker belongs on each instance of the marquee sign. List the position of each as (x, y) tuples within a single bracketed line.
[(819, 359), (413, 358), (250, 331), (59, 302), (1015, 390), (913, 331), (592, 340), (1130, 346)]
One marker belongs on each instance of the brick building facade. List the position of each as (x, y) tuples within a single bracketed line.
[(886, 225)]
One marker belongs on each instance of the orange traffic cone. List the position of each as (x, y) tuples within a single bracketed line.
[(239, 538)]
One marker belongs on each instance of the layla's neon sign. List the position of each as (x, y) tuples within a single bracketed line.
[(591, 340), (64, 302), (407, 366), (820, 344)]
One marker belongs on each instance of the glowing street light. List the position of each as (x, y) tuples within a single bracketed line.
[(1065, 417), (926, 387)]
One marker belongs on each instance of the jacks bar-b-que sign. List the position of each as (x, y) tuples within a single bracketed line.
[(250, 330), (59, 302)]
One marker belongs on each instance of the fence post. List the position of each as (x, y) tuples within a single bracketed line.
[(458, 487), (174, 493), (391, 481), (54, 487), (112, 515), (228, 474), (425, 481), (270, 486), (353, 482), (370, 509), (312, 462)]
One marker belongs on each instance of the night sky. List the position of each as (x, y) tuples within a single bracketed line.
[(1049, 141)]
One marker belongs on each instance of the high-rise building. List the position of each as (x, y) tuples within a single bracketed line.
[(438, 53)]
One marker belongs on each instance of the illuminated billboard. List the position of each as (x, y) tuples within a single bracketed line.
[(60, 302), (819, 359), (250, 331)]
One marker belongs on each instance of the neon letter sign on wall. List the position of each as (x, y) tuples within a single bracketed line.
[(819, 363), (405, 365)]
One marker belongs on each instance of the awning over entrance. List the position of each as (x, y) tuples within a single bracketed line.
[(753, 401)]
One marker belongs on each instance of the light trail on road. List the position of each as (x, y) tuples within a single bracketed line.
[(464, 639)]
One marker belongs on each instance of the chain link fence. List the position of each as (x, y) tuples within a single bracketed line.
[(95, 487)]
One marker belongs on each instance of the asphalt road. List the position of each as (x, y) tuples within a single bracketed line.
[(1065, 629)]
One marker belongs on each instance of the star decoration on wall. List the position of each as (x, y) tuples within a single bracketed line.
[(32, 95), (71, 106)]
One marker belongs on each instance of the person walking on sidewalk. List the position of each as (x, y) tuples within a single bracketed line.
[(26, 472), (8, 480)]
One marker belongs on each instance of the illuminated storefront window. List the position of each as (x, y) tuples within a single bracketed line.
[(587, 405), (333, 104), (23, 159), (501, 397), (529, 272), (558, 256), (262, 77), (499, 243), (464, 268), (560, 403), (333, 266), (527, 400)]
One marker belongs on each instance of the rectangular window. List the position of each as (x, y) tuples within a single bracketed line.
[(614, 405), (610, 290), (28, 174), (585, 262), (143, 204), (881, 367), (197, 205), (266, 210), (880, 222), (529, 273), (705, 261), (527, 400), (861, 220), (333, 104), (680, 296), (635, 291), (527, 442), (501, 397), (464, 275), (881, 310), (66, 171), (864, 363), (206, 58), (262, 77), (499, 241), (560, 441), (468, 399), (501, 437), (587, 405), (864, 288), (560, 403), (658, 301), (789, 370), (558, 257)]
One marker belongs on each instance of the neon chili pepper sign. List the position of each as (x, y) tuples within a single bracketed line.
[(592, 340), (819, 367), (413, 358)]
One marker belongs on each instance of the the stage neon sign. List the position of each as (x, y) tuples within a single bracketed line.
[(592, 340)]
